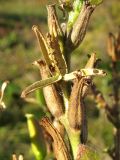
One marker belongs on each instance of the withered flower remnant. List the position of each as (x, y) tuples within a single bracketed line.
[(2, 90)]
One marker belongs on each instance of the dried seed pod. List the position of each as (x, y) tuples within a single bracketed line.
[(60, 149), (53, 23), (56, 55), (74, 110), (53, 98), (111, 47), (91, 61), (55, 41), (90, 64), (77, 109), (76, 105), (78, 31)]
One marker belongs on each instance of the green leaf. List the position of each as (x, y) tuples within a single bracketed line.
[(36, 136), (40, 84)]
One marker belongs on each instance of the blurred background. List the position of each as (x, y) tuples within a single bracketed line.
[(19, 48)]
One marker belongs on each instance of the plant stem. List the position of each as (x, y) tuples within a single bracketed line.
[(73, 135)]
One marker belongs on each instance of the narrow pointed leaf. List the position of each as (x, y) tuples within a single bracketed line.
[(37, 137), (40, 84)]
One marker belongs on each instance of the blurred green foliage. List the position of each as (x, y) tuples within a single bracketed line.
[(18, 49)]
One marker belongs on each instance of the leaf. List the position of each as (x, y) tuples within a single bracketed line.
[(60, 148), (37, 137), (40, 84)]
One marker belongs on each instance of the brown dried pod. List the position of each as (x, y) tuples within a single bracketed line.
[(77, 109), (74, 110), (53, 98), (76, 105), (113, 46), (53, 23), (78, 31), (60, 149), (56, 55), (90, 64)]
